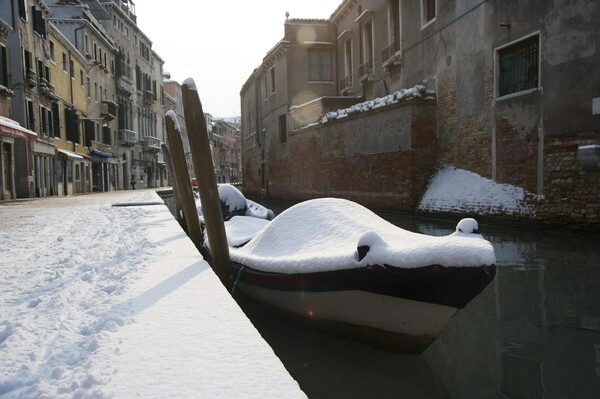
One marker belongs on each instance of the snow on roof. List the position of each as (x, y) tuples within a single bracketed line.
[(462, 191), (323, 234)]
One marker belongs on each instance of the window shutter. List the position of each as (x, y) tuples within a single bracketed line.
[(56, 119)]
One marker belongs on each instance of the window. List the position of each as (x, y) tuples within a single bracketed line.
[(264, 79), (282, 129), (428, 11), (95, 49), (71, 69), (71, 125), (38, 21), (96, 91), (22, 10), (81, 81), (366, 54), (64, 62), (86, 45), (88, 87), (43, 121), (48, 122), (518, 66), (56, 120), (30, 115), (319, 65), (4, 66), (51, 44), (272, 74), (348, 60), (393, 30)]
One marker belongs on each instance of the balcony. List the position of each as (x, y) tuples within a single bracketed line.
[(109, 110), (125, 85), (30, 78), (365, 71), (392, 55), (47, 90), (148, 97), (346, 84), (151, 144), (127, 137)]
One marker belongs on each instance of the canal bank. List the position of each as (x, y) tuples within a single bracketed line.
[(112, 301)]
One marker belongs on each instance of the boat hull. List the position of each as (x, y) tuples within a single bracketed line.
[(402, 310)]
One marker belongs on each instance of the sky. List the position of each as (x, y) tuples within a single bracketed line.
[(219, 43)]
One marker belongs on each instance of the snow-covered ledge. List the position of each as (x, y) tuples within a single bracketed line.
[(589, 156)]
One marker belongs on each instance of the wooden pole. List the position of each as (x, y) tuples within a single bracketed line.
[(171, 170), (207, 182), (182, 177)]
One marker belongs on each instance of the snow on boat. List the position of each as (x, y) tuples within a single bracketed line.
[(233, 203), (335, 263)]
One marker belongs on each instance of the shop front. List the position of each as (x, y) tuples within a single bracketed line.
[(13, 135)]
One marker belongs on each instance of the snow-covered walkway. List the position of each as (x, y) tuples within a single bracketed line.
[(101, 301)]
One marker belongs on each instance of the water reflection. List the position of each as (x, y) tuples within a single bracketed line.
[(534, 332)]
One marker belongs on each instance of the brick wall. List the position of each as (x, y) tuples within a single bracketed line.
[(381, 158), (571, 194)]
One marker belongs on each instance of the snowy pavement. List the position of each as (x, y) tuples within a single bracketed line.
[(99, 301)]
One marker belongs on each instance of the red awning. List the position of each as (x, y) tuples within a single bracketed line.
[(11, 128)]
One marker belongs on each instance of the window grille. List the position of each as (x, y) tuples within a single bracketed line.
[(519, 66)]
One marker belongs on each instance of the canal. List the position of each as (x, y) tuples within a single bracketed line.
[(534, 332)]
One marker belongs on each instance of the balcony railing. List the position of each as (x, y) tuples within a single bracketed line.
[(47, 89), (30, 78), (151, 144), (392, 54), (346, 84), (125, 85), (365, 70), (148, 97), (127, 137), (109, 110)]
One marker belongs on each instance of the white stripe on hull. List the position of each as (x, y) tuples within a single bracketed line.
[(396, 315)]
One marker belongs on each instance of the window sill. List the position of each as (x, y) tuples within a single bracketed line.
[(426, 24), (518, 94)]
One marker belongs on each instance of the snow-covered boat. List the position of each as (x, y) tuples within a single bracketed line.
[(335, 263), (233, 203)]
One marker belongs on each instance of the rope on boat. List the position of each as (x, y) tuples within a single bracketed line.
[(237, 281)]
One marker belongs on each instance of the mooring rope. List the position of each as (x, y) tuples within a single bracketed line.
[(237, 282)]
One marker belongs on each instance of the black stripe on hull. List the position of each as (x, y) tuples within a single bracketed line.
[(449, 286)]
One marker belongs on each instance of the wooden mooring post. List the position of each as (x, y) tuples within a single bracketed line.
[(171, 170), (182, 177), (207, 181)]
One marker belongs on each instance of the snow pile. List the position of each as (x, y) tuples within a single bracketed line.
[(461, 191), (323, 235), (99, 301), (418, 91)]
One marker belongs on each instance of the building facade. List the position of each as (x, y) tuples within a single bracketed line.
[(73, 161), (515, 99), (81, 99)]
